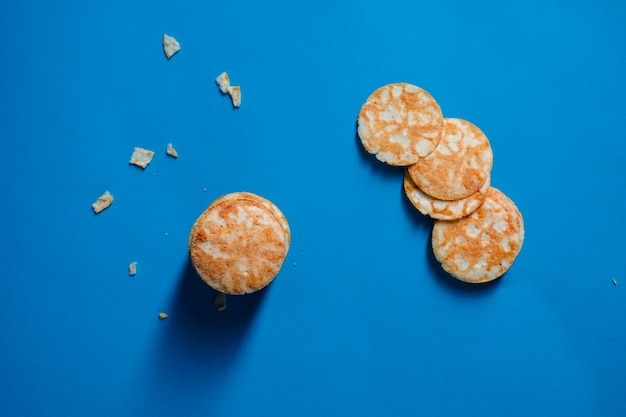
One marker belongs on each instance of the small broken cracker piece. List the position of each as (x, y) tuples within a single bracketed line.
[(235, 95), (141, 157), (171, 151), (614, 281), (170, 46), (104, 201), (224, 82), (162, 316), (132, 269)]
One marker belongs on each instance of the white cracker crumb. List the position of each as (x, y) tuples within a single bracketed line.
[(171, 151), (104, 201), (204, 189), (141, 157), (224, 82), (170, 46), (235, 95), (614, 281), (132, 269), (162, 316)]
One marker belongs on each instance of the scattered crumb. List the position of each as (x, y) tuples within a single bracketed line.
[(132, 269), (614, 281), (294, 264), (220, 301), (141, 157), (171, 151), (162, 316), (224, 82), (104, 201), (235, 95), (165, 233), (204, 189), (170, 46)]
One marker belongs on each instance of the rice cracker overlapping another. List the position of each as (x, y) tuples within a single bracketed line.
[(448, 164)]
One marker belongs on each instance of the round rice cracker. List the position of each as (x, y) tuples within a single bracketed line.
[(482, 246), (459, 165), (238, 245), (400, 123), (443, 209)]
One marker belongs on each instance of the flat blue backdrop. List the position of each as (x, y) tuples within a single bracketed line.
[(361, 320)]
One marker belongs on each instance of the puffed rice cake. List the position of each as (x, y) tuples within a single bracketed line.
[(482, 246), (400, 123), (238, 245)]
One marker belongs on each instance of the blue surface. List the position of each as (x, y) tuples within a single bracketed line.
[(361, 320)]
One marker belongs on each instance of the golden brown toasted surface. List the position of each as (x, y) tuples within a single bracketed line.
[(459, 165), (482, 246), (273, 208), (238, 245), (443, 209), (400, 123)]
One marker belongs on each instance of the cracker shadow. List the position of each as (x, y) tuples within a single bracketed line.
[(199, 342), (454, 285)]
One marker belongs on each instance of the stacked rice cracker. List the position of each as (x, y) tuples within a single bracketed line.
[(478, 231)]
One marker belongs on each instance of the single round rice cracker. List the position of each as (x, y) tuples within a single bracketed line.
[(459, 165), (238, 245), (482, 246), (259, 200), (443, 209), (400, 123)]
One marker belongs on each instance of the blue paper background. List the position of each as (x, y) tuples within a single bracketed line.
[(361, 320)]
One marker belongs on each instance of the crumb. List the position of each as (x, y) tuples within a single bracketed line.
[(614, 281), (104, 201), (170, 46), (171, 151), (294, 264), (235, 95), (224, 82), (162, 316), (132, 269), (141, 157), (220, 301), (165, 233), (204, 189)]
